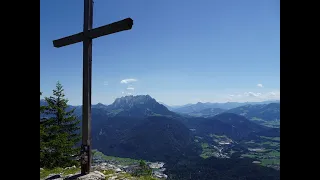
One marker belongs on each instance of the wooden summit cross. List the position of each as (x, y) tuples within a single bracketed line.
[(86, 37)]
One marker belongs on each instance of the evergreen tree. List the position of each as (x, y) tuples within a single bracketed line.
[(142, 164), (60, 131), (42, 134), (143, 169)]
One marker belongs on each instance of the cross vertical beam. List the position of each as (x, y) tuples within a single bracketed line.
[(86, 37), (86, 89)]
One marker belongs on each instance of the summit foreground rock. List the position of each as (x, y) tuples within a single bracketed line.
[(96, 175)]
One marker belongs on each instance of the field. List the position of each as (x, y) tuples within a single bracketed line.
[(263, 150), (273, 124), (44, 173), (115, 160), (266, 151)]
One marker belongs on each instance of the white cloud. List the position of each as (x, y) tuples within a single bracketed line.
[(105, 83), (252, 94), (130, 88), (234, 95), (126, 81), (260, 85), (256, 96), (273, 95)]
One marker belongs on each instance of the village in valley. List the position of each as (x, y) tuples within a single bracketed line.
[(264, 151)]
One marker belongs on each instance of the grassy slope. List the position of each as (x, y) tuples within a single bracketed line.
[(123, 161)]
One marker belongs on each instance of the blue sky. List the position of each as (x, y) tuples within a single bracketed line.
[(178, 51)]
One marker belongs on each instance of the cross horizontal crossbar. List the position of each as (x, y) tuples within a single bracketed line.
[(125, 24)]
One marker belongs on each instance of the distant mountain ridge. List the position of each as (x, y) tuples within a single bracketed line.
[(266, 112), (209, 112), (229, 105)]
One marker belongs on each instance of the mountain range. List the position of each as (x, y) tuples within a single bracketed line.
[(266, 112), (142, 107), (141, 128), (190, 108), (257, 112)]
